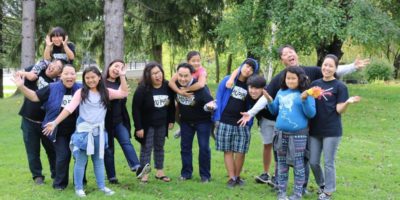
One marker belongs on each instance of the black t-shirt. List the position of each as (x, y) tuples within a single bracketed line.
[(192, 108), (116, 104), (67, 126), (59, 53), (327, 122), (237, 103), (33, 110)]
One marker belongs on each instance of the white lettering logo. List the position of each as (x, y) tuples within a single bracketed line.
[(66, 100), (187, 101), (60, 56), (160, 101), (41, 83), (239, 93)]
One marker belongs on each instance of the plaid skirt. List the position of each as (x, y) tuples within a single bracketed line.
[(232, 138)]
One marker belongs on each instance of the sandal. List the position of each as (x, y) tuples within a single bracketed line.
[(163, 178)]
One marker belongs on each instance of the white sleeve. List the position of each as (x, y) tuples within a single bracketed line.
[(261, 104), (346, 69)]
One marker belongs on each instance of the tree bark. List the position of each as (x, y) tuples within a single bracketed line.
[(396, 65), (229, 65), (216, 65), (1, 51), (28, 33), (157, 52), (334, 47), (114, 30)]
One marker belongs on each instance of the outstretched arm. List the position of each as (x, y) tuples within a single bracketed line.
[(350, 68), (18, 79), (342, 107)]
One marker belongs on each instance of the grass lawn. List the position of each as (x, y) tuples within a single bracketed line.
[(368, 165)]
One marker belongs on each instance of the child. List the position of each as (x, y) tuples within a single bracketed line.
[(326, 126), (90, 137), (293, 111), (200, 74), (58, 46), (231, 138)]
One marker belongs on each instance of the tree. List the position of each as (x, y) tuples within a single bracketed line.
[(28, 33), (114, 30), (1, 49)]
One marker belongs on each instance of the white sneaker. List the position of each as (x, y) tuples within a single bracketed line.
[(107, 191), (146, 170), (80, 193)]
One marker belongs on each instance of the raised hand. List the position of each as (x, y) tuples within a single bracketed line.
[(48, 41), (122, 70), (361, 63), (18, 78), (245, 118), (354, 99), (65, 41)]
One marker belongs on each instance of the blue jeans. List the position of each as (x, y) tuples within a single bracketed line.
[(32, 134), (63, 157), (80, 162), (329, 146), (122, 135), (203, 138)]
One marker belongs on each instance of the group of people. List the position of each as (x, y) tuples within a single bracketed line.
[(299, 111)]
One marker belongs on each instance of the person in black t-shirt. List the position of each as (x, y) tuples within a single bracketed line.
[(153, 113), (32, 117), (194, 118), (117, 125), (326, 126), (60, 93), (58, 47)]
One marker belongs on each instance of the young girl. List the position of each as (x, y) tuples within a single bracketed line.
[(117, 124), (153, 112), (200, 74), (326, 126), (90, 137), (293, 109), (58, 47)]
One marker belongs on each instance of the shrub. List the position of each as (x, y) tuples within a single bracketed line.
[(379, 70)]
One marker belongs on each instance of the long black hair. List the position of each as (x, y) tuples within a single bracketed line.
[(145, 81), (106, 72), (101, 88), (304, 81)]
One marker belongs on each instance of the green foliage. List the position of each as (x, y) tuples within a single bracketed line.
[(379, 70)]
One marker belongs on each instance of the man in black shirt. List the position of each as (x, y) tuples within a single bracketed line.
[(32, 117)]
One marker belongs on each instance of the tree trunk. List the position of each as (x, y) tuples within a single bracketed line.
[(216, 65), (396, 65), (335, 47), (28, 33), (229, 64), (1, 51), (157, 53), (114, 30)]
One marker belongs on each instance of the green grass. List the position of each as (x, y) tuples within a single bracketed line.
[(368, 165)]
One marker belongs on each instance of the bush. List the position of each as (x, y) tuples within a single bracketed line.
[(379, 70), (355, 77)]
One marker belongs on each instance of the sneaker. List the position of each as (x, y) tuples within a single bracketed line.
[(135, 168), (295, 197), (80, 193), (39, 180), (282, 196), (113, 180), (142, 171), (231, 183), (177, 134), (107, 191), (263, 178), (205, 180), (182, 178), (321, 189), (239, 181), (324, 196)]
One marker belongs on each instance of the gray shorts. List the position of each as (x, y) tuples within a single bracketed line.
[(267, 130)]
